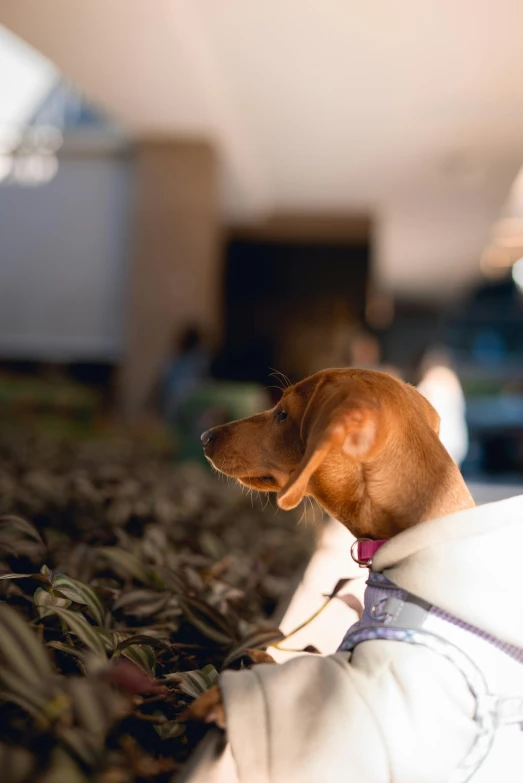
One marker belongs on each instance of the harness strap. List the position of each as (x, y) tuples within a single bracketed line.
[(396, 615)]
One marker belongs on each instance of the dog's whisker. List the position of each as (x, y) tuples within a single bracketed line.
[(300, 520), (277, 378), (284, 378), (312, 509)]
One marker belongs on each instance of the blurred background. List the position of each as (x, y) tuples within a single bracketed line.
[(193, 194)]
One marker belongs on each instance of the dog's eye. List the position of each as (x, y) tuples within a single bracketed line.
[(281, 416)]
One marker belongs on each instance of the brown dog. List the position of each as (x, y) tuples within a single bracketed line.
[(362, 443)]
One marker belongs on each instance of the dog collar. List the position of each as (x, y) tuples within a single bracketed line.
[(365, 548)]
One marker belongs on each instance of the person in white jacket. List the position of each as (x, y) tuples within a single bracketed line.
[(441, 386)]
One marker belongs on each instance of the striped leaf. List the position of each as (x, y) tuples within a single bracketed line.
[(263, 637), (131, 678), (172, 579), (142, 638), (92, 711), (170, 730), (195, 682), (68, 649), (38, 577), (31, 697), (81, 594), (142, 603), (78, 625), (109, 638), (143, 656), (81, 744), (125, 562), (16, 524), (20, 650), (43, 599), (26, 704), (206, 619)]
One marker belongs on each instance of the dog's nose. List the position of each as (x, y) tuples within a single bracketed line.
[(207, 438)]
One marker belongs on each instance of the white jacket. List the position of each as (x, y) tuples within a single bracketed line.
[(392, 712)]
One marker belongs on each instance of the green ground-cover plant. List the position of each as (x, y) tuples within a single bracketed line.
[(127, 584)]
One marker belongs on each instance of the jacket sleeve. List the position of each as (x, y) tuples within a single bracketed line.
[(303, 721)]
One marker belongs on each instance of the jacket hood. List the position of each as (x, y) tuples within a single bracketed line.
[(468, 564)]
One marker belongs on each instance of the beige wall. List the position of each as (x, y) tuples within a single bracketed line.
[(176, 275)]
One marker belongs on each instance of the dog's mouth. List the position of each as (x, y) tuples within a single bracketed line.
[(263, 483)]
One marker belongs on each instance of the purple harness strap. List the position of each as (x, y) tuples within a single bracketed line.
[(393, 614)]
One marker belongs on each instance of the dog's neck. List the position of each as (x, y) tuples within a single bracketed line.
[(378, 499)]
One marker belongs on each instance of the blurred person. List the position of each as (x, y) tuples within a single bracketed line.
[(314, 338), (441, 386), (365, 353), (185, 370)]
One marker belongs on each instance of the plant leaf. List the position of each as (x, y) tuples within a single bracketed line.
[(81, 744), (169, 730), (68, 649), (126, 562), (142, 603), (207, 619), (259, 656), (20, 525), (43, 599), (12, 575), (195, 682), (20, 649), (29, 696), (81, 594), (143, 656), (109, 638), (131, 678), (142, 638), (78, 625), (262, 637)]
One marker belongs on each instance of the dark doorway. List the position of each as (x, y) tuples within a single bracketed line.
[(281, 297)]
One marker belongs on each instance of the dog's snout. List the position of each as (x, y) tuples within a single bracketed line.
[(207, 438)]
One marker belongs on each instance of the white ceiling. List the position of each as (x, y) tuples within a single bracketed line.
[(411, 111)]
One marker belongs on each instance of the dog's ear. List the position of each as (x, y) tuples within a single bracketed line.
[(426, 411), (342, 414)]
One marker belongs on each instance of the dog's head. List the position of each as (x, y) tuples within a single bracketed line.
[(362, 443)]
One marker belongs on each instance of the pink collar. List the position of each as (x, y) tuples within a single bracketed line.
[(366, 549)]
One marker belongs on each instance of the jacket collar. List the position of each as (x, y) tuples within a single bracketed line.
[(462, 563)]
